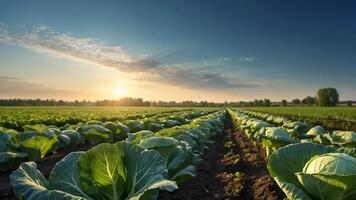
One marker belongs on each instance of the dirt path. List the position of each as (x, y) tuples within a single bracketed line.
[(233, 168), (206, 185), (256, 180)]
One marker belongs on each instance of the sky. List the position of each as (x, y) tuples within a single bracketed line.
[(177, 50)]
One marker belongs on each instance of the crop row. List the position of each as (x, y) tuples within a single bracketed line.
[(38, 140), (333, 118), (306, 162), (16, 118), (136, 168)]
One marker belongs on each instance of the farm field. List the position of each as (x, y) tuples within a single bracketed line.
[(173, 100), (342, 113), (343, 118), (17, 117), (209, 153)]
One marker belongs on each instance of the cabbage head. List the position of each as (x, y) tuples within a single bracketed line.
[(313, 171)]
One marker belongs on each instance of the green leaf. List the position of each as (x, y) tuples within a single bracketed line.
[(28, 183), (65, 176), (178, 162), (75, 137), (145, 171), (11, 160), (274, 137), (138, 135), (95, 134), (344, 138), (122, 171), (330, 176), (38, 146), (292, 191), (102, 172), (317, 130), (64, 140), (37, 127), (155, 127), (284, 163), (135, 125)]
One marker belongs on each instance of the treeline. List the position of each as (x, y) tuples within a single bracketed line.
[(126, 101), (324, 97)]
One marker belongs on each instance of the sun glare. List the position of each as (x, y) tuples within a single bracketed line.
[(120, 92)]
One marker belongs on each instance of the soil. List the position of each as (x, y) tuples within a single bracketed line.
[(233, 168), (44, 166)]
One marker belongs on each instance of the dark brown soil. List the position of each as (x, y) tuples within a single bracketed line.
[(45, 166), (256, 180), (206, 185), (234, 168)]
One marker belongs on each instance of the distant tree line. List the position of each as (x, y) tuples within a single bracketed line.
[(324, 97), (126, 101)]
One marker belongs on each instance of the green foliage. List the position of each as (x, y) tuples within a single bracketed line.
[(96, 134), (308, 171), (40, 139), (178, 156), (327, 97), (284, 102), (107, 171), (309, 100), (296, 101), (337, 118), (349, 103)]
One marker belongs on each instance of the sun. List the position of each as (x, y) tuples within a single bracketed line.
[(120, 92)]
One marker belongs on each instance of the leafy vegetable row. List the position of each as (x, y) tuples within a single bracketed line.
[(124, 170), (262, 126), (38, 140), (17, 117), (302, 168)]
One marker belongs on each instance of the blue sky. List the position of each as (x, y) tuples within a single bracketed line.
[(205, 50)]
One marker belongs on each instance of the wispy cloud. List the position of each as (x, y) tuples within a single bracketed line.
[(249, 59), (178, 75), (44, 39)]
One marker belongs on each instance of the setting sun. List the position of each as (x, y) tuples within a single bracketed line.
[(120, 92)]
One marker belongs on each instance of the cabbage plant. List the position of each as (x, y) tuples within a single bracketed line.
[(344, 138), (273, 138), (107, 171), (312, 171), (178, 156), (95, 134)]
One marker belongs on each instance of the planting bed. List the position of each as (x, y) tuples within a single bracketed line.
[(233, 168)]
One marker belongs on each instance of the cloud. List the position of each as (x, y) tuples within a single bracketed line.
[(14, 87), (179, 76), (44, 39), (249, 59)]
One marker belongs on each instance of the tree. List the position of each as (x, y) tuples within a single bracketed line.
[(327, 97), (295, 101), (267, 102), (308, 100), (284, 102), (349, 103)]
